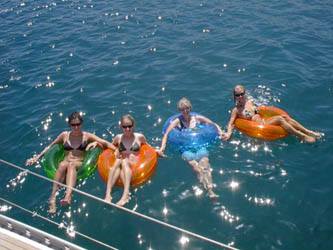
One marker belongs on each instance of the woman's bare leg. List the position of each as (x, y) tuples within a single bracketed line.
[(202, 171), (301, 128), (126, 175), (58, 177), (114, 174), (207, 176), (280, 120), (70, 181), (198, 172)]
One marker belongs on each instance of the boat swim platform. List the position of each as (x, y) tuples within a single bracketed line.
[(19, 236)]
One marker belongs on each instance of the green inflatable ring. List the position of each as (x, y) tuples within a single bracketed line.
[(56, 154)]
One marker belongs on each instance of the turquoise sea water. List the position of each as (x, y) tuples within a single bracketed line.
[(109, 58)]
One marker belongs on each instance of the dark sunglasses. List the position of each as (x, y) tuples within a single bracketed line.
[(183, 109), (127, 126), (240, 94), (75, 124)]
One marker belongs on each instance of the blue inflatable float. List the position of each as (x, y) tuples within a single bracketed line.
[(191, 139)]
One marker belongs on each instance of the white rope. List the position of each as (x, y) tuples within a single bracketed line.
[(34, 214), (124, 209)]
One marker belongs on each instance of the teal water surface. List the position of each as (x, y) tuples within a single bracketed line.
[(109, 58)]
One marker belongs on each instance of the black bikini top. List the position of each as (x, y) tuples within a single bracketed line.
[(135, 147), (182, 125), (82, 146)]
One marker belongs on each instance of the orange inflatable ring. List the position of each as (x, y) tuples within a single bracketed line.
[(260, 130), (140, 172)]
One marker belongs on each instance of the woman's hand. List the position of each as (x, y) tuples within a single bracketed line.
[(31, 161), (160, 153), (91, 145), (226, 136), (117, 154)]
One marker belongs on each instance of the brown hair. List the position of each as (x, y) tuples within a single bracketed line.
[(73, 116)]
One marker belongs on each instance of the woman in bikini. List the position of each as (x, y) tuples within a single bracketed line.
[(75, 142), (129, 145), (246, 109), (197, 160)]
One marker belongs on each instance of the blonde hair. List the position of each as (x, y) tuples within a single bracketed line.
[(240, 87), (127, 117), (183, 103)]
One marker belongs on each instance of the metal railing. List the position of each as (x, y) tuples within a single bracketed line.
[(187, 232)]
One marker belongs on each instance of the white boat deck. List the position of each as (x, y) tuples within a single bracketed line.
[(11, 241), (15, 235)]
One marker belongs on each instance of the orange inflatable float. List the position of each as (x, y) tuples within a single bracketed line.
[(140, 172), (260, 130)]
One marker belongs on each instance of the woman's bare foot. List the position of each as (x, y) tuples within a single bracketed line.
[(212, 195), (309, 139), (65, 202), (53, 206), (123, 201), (316, 134), (108, 198)]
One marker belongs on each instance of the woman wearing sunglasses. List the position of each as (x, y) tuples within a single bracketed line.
[(129, 145), (75, 142), (246, 109)]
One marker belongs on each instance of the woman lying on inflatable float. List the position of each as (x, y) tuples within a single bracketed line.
[(134, 160), (184, 131), (264, 122), (73, 165)]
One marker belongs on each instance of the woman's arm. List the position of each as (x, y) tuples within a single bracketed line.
[(142, 139), (116, 140), (98, 141), (115, 143), (33, 160), (233, 117), (172, 125), (206, 120)]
